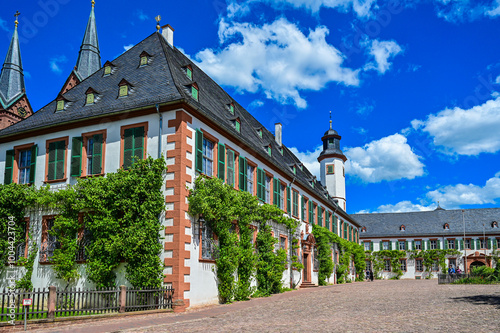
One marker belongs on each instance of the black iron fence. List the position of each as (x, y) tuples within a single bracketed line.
[(149, 299), (78, 302), (450, 278)]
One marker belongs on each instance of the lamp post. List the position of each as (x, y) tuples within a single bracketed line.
[(465, 251)]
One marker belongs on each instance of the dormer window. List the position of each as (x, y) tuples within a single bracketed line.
[(259, 131), (124, 88), (446, 226), (402, 228), (294, 169), (189, 72), (108, 68), (90, 96), (269, 150), (194, 91), (237, 125), (60, 105), (363, 229), (494, 224), (281, 150), (231, 108), (144, 59)]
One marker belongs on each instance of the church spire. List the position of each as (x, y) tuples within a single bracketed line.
[(89, 59), (12, 77)]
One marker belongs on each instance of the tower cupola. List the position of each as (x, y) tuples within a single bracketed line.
[(89, 59), (332, 161)]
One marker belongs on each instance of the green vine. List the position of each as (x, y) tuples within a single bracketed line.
[(296, 264), (378, 257), (28, 263), (429, 257)]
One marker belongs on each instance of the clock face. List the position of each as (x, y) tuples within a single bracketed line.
[(21, 111)]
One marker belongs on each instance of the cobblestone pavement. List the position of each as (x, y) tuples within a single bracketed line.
[(379, 306)]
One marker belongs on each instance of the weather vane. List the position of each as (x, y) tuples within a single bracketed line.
[(158, 19), (93, 3), (16, 15), (330, 119)]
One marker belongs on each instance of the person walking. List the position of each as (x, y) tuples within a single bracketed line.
[(371, 276)]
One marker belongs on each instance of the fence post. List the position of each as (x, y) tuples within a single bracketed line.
[(123, 298), (52, 302)]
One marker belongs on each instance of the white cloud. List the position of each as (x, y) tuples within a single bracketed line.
[(140, 14), (3, 25), (389, 158), (465, 132), (128, 47), (382, 52), (362, 8), (256, 103), (56, 62), (497, 80), (495, 10), (309, 159), (466, 10), (401, 207), (275, 58), (453, 196)]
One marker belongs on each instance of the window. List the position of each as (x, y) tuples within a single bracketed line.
[(231, 108), (237, 126), (107, 70), (283, 243), (402, 245), (435, 266), (268, 190), (208, 154), (385, 245), (260, 133), (230, 167), (330, 169), (20, 164), (446, 226), (482, 243), (467, 244), (417, 245), (402, 263), (123, 91), (295, 203), (433, 244), (451, 243), (24, 166), (452, 262), (56, 161), (387, 265), (282, 196), (363, 229), (90, 99), (194, 92), (84, 239), (208, 245), (294, 170), (494, 224), (144, 59), (189, 72), (133, 143), (304, 209), (402, 228), (367, 246), (49, 242), (87, 154), (316, 259), (250, 178), (60, 105), (419, 266), (269, 152)]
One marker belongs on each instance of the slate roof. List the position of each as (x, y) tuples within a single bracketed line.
[(164, 80), (12, 77), (430, 223)]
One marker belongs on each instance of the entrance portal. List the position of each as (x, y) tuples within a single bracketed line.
[(476, 264)]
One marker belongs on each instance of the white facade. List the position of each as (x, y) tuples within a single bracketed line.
[(335, 183)]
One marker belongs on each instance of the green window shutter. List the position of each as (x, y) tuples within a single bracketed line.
[(428, 245), (34, 154), (489, 244), (311, 215), (128, 148), (222, 161), (139, 143), (230, 167), (9, 167), (335, 229), (260, 185), (288, 200), (406, 246), (276, 193), (52, 162), (462, 244), (495, 245), (320, 216), (199, 151), (371, 246), (472, 244), (302, 210), (243, 173), (478, 244), (327, 220), (380, 246), (457, 247), (390, 245), (445, 241), (97, 155), (60, 156), (76, 156)]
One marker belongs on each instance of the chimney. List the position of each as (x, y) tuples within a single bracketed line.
[(277, 133), (168, 33)]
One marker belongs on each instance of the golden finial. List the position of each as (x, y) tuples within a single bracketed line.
[(330, 119), (93, 3), (16, 22), (158, 26)]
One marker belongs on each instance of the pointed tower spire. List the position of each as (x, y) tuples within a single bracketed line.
[(12, 77), (89, 59)]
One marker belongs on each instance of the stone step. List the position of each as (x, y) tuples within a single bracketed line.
[(308, 285)]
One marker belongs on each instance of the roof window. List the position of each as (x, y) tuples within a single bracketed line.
[(231, 108), (124, 88), (194, 91), (189, 71), (108, 68), (144, 59), (90, 96), (237, 125)]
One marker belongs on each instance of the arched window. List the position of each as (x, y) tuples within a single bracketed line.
[(446, 226), (402, 228)]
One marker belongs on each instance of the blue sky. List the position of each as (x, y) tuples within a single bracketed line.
[(413, 85)]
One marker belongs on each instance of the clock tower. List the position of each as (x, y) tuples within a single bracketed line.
[(14, 104)]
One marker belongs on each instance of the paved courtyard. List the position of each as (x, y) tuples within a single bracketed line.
[(380, 306)]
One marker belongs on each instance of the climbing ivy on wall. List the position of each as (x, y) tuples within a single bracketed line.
[(220, 205), (347, 251), (430, 256)]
